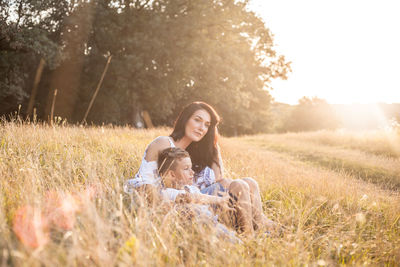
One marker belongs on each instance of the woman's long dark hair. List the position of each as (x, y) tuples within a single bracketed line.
[(204, 152)]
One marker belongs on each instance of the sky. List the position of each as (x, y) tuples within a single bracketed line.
[(344, 51)]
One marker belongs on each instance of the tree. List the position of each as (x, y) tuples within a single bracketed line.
[(311, 114), (27, 30), (165, 54), (174, 52)]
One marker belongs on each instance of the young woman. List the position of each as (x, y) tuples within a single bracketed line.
[(195, 131)]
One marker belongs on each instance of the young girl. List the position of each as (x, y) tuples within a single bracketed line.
[(175, 169)]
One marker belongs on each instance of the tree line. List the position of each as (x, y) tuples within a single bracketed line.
[(165, 54), (313, 113)]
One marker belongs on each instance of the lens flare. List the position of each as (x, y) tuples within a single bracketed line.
[(31, 224), (60, 210), (31, 227)]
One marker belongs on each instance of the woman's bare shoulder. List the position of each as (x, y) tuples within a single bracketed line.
[(156, 146)]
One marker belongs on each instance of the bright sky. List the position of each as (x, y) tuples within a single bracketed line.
[(344, 51)]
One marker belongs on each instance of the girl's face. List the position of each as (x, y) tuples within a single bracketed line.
[(181, 175), (183, 172), (197, 125)]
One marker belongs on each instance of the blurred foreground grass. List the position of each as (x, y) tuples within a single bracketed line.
[(331, 217)]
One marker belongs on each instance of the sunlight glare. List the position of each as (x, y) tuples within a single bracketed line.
[(342, 51)]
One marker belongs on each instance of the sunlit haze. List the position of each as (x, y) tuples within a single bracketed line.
[(341, 51)]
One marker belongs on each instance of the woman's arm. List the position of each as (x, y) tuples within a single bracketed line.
[(218, 176), (218, 171), (155, 147), (147, 173), (218, 168)]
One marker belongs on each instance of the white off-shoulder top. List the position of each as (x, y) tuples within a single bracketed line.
[(148, 175)]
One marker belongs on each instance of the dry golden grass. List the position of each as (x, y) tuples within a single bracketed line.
[(330, 217), (361, 154), (379, 142)]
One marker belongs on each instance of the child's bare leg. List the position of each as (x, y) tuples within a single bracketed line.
[(256, 203), (242, 205)]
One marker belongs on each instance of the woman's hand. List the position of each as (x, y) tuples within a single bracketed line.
[(225, 182)]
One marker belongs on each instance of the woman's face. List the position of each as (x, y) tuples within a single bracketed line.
[(197, 125)]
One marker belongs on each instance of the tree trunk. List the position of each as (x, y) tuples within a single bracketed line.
[(35, 87)]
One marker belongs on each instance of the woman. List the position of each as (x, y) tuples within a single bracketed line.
[(195, 131)]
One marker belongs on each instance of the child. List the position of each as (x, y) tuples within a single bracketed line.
[(175, 168)]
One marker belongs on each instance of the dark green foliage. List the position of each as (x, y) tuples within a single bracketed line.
[(27, 33), (165, 55)]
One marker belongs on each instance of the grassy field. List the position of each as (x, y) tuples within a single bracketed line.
[(336, 194)]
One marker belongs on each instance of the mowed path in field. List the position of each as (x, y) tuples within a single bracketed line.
[(254, 157), (376, 161)]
